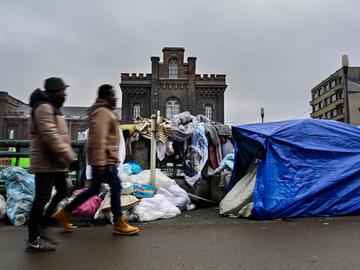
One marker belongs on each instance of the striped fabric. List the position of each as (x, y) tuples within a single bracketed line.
[(143, 125)]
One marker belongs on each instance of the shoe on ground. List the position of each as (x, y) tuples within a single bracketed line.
[(46, 236), (121, 226), (63, 217), (39, 244)]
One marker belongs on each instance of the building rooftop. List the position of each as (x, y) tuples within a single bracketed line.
[(70, 112)]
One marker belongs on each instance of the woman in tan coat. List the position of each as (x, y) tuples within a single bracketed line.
[(50, 157)]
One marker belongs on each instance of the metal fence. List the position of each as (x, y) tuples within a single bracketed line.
[(16, 153)]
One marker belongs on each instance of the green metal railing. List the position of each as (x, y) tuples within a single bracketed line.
[(19, 155)]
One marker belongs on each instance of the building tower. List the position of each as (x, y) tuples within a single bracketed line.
[(172, 87)]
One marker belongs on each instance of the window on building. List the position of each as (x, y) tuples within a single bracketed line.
[(340, 80), (333, 113), (327, 115), (208, 111), (333, 98), (317, 106), (326, 101), (332, 83), (339, 95), (11, 134), (326, 86), (172, 108), (340, 110), (137, 110), (173, 68)]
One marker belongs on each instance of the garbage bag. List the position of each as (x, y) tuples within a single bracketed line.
[(158, 207), (89, 207), (20, 193), (181, 198), (132, 167), (161, 179), (126, 188)]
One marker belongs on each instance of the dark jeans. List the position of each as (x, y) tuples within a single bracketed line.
[(109, 176), (44, 183)]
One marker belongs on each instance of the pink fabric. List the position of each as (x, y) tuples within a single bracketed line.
[(88, 208)]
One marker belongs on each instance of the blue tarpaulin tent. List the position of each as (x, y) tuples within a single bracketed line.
[(308, 167)]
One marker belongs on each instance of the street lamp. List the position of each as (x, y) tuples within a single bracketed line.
[(262, 111)]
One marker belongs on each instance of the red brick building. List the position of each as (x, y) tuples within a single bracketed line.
[(172, 87)]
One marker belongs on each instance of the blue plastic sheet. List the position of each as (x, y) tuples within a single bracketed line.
[(308, 168), (20, 192)]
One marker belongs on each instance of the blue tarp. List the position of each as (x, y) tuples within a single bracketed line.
[(309, 167)]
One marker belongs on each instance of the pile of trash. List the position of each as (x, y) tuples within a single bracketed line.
[(201, 146), (139, 201), (142, 202)]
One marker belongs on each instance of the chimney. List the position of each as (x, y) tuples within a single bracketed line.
[(345, 60)]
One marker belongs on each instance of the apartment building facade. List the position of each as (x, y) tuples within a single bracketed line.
[(337, 97)]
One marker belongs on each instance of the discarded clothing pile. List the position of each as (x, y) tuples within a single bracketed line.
[(199, 144)]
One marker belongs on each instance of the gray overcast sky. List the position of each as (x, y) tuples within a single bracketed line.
[(272, 51)]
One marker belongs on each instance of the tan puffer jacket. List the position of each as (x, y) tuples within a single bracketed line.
[(103, 139), (50, 142)]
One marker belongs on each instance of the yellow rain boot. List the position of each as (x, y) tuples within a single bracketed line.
[(121, 226), (63, 217)]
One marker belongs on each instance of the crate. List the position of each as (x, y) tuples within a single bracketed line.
[(2, 184), (17, 153), (171, 169), (2, 188)]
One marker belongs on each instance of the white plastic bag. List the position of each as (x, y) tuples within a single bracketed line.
[(126, 188), (181, 198), (158, 207), (161, 181)]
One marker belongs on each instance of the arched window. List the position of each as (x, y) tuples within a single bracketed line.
[(81, 135), (172, 108), (208, 111), (137, 111), (173, 68)]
